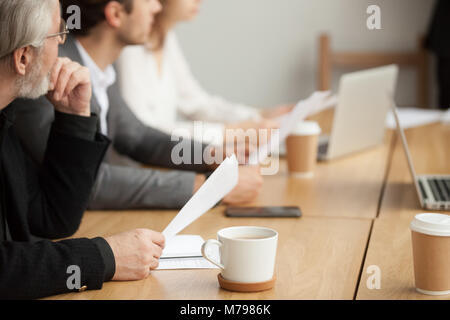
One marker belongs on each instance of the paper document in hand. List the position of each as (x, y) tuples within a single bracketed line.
[(329, 103), (317, 102), (218, 185), (183, 246)]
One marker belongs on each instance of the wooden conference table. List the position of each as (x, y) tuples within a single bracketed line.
[(356, 213), (390, 243)]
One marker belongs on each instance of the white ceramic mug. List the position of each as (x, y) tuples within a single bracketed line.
[(247, 254)]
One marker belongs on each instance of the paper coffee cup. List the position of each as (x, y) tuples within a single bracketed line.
[(431, 253), (301, 148)]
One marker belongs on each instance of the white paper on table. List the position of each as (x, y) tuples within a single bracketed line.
[(317, 102), (446, 117), (184, 252), (185, 263), (218, 185), (414, 117), (183, 246)]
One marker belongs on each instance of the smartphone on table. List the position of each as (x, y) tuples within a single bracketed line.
[(263, 212)]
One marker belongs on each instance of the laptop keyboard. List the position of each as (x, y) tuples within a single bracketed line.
[(440, 187), (422, 190)]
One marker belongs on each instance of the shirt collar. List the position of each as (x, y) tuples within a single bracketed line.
[(100, 78)]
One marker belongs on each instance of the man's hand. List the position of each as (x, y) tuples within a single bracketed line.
[(248, 187), (136, 252), (70, 88), (244, 138), (278, 111), (250, 125), (198, 182)]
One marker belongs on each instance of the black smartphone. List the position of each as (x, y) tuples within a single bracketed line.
[(263, 212)]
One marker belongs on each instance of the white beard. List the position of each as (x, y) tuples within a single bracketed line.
[(32, 86)]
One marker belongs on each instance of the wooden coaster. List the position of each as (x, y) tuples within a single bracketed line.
[(245, 287)]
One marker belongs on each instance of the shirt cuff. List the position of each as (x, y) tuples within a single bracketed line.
[(108, 257), (76, 126)]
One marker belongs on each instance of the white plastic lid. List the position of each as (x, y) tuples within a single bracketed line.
[(307, 128), (433, 224)]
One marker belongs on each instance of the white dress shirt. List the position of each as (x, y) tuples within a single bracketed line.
[(174, 99), (101, 81)]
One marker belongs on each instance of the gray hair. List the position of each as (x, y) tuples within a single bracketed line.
[(23, 23)]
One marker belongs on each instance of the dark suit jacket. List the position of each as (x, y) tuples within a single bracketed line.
[(438, 39), (48, 201), (118, 187)]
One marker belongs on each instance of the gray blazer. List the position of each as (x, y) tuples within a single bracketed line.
[(117, 186)]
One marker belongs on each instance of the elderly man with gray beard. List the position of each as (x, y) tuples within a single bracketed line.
[(48, 200)]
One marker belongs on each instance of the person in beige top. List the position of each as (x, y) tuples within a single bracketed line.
[(161, 90)]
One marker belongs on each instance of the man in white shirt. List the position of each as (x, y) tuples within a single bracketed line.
[(101, 80), (106, 30)]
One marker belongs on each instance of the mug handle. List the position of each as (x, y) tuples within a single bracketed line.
[(205, 255)]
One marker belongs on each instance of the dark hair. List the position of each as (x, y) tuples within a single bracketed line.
[(92, 12)]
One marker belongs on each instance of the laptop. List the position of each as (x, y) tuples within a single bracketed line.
[(360, 115), (433, 190)]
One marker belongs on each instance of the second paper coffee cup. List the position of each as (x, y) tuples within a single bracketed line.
[(431, 253), (301, 148)]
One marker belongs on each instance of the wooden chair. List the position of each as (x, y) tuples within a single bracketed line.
[(362, 60)]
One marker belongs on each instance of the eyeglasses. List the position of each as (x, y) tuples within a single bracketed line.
[(62, 34)]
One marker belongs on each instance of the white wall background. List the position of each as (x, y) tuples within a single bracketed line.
[(264, 52)]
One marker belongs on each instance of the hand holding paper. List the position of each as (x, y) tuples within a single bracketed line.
[(317, 102), (219, 184)]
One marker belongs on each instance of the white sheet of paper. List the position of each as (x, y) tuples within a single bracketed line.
[(317, 102), (184, 252), (446, 117), (218, 185), (414, 117), (328, 103), (183, 246), (185, 263)]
